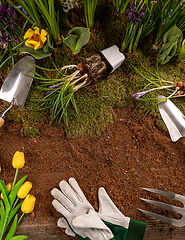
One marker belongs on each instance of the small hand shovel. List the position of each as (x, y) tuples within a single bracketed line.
[(173, 118), (16, 86)]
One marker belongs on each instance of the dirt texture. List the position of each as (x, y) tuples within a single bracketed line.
[(131, 154)]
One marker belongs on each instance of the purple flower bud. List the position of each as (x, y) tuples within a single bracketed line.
[(52, 86), (139, 94), (135, 16), (2, 12), (3, 37), (11, 12), (48, 92)]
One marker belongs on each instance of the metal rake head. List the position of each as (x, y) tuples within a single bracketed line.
[(175, 209)]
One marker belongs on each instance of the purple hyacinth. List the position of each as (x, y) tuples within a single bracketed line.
[(11, 11), (135, 16), (2, 12), (3, 37)]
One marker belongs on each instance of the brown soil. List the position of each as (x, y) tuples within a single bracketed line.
[(131, 154)]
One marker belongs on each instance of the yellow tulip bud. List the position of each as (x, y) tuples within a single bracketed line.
[(24, 190), (9, 186), (18, 160), (28, 204)]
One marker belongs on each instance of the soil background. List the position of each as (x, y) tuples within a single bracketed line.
[(131, 154)]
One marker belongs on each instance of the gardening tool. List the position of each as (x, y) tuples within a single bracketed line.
[(16, 86), (173, 118), (181, 211)]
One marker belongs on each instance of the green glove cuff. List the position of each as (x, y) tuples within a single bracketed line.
[(119, 232), (136, 230)]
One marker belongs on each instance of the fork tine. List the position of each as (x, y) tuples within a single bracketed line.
[(175, 222), (164, 205), (181, 211), (167, 194)]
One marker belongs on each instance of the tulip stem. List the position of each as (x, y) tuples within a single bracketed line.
[(3, 228), (15, 177), (15, 203), (20, 218)]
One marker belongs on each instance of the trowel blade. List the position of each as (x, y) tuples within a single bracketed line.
[(16, 86), (172, 117)]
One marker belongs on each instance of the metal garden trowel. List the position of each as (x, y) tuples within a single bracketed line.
[(173, 118), (16, 86)]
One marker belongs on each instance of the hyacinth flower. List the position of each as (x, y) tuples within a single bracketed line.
[(11, 37), (3, 37), (134, 27)]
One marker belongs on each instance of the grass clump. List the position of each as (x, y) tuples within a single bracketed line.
[(96, 107)]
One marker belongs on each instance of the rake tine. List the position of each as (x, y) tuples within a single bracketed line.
[(167, 194), (163, 205), (175, 222)]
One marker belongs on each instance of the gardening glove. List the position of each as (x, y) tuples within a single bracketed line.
[(123, 228), (81, 217)]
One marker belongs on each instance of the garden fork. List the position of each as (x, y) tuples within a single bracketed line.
[(181, 211)]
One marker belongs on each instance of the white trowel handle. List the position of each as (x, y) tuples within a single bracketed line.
[(5, 111), (1, 122)]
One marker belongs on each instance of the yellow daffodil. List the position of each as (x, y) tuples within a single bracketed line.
[(24, 190), (28, 204), (18, 160), (35, 39), (9, 186)]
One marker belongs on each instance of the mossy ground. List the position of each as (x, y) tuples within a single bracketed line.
[(96, 104)]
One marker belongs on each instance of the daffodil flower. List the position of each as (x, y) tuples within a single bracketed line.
[(35, 38)]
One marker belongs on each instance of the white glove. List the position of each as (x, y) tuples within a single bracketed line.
[(109, 212), (123, 228), (78, 212)]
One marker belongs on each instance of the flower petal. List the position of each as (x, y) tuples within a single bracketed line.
[(29, 33)]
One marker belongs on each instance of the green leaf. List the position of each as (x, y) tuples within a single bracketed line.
[(2, 215), (181, 56), (14, 191), (5, 198), (70, 42), (12, 213), (21, 237), (173, 31), (12, 229), (39, 54), (77, 38)]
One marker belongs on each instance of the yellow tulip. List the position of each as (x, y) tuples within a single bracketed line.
[(24, 190), (18, 160), (28, 204), (9, 186), (35, 39)]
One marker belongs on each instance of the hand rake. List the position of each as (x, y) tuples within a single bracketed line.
[(175, 209)]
